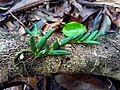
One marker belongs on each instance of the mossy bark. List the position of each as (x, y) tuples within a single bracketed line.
[(102, 59)]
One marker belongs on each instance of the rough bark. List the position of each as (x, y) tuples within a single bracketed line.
[(103, 59)]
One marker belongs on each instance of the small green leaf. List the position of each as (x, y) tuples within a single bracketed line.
[(41, 43), (79, 37), (84, 37), (75, 36), (41, 53), (44, 52), (29, 32), (59, 52), (98, 35), (92, 35), (36, 31), (33, 45), (66, 40), (56, 45), (47, 48), (91, 42), (44, 39), (73, 28), (49, 34)]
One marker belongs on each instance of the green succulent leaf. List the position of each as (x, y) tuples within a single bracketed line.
[(73, 28), (98, 35), (36, 30), (59, 52), (75, 36), (41, 43), (41, 53), (33, 45), (47, 48), (66, 40), (91, 42), (44, 52), (44, 39), (79, 37), (84, 37), (49, 34), (29, 32), (56, 45), (92, 35)]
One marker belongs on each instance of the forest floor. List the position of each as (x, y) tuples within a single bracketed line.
[(17, 16)]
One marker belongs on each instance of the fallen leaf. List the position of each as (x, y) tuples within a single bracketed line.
[(97, 20), (10, 25), (106, 24), (71, 18), (101, 3), (80, 82), (40, 24), (24, 5), (77, 5), (73, 28), (22, 30), (109, 14)]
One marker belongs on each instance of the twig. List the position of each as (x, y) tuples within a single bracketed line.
[(18, 20)]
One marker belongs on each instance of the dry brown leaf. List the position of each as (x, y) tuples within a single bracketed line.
[(25, 4), (105, 24), (22, 30), (77, 5), (10, 25), (80, 82), (87, 12), (113, 3)]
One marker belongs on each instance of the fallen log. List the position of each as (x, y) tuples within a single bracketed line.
[(102, 59)]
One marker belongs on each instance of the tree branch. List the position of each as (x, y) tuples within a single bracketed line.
[(100, 59)]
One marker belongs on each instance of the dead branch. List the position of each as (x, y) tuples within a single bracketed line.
[(103, 59)]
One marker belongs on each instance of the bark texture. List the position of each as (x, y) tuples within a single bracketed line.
[(103, 59)]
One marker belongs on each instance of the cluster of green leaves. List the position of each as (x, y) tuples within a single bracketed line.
[(74, 28), (74, 31), (41, 48)]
